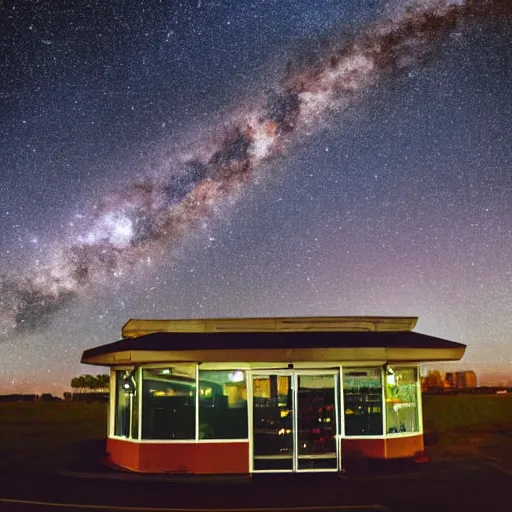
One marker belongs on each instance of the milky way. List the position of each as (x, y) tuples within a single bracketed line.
[(149, 215)]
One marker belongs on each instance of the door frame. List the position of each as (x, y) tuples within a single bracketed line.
[(336, 416), (294, 374)]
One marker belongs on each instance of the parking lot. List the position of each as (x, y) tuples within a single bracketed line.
[(464, 485)]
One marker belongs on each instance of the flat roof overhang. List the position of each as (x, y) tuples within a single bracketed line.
[(139, 327), (277, 347)]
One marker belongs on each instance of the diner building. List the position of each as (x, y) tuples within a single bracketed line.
[(250, 395)]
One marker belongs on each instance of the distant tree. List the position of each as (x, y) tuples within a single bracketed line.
[(103, 382), (89, 382), (82, 383), (75, 384), (79, 384)]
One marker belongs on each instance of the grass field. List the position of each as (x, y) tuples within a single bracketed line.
[(49, 435), (469, 426), (53, 436)]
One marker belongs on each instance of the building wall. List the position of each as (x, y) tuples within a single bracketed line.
[(197, 458), (233, 457), (124, 454), (388, 448)]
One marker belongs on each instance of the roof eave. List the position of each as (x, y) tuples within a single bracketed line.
[(277, 355)]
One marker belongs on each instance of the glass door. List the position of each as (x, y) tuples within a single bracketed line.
[(317, 429), (273, 423), (294, 421)]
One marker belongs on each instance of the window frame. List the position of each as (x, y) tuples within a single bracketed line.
[(225, 440), (345, 367), (419, 403), (112, 409), (247, 369), (384, 367), (139, 369), (169, 441)]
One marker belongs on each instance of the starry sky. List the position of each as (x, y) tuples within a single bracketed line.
[(167, 159)]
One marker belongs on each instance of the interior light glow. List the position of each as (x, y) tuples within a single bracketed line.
[(236, 376)]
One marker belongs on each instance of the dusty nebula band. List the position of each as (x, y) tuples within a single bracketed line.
[(152, 214)]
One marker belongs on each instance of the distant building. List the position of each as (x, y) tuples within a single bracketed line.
[(471, 379), (461, 380), (450, 380), (435, 380)]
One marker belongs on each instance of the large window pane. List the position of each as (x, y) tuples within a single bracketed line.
[(222, 405), (362, 395), (402, 400), (168, 402), (126, 389)]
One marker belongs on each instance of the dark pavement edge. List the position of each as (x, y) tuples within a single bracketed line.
[(457, 486)]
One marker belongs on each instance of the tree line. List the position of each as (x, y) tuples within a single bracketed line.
[(89, 383)]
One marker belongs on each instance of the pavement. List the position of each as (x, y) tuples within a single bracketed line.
[(437, 486)]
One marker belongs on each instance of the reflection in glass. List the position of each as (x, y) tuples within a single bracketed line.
[(125, 387), (273, 422), (316, 422), (168, 402), (402, 400), (222, 405), (362, 397)]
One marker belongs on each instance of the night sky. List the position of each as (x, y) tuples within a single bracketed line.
[(166, 159)]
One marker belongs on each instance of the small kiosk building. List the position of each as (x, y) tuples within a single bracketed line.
[(252, 395)]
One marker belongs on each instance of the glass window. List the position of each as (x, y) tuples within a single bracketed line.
[(402, 400), (362, 396), (135, 406), (125, 401), (273, 422), (222, 405), (169, 402), (316, 422)]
